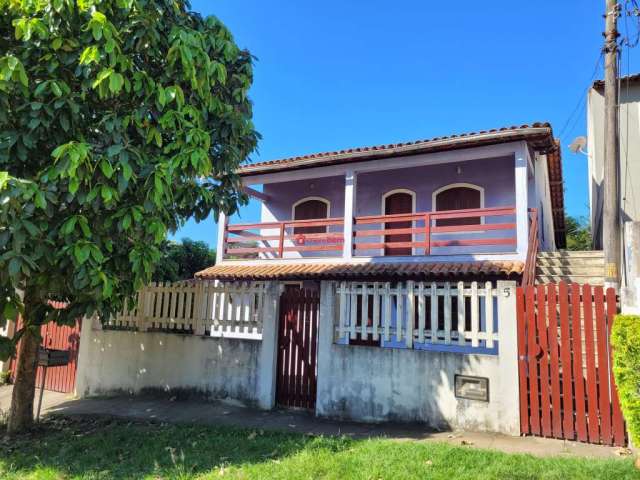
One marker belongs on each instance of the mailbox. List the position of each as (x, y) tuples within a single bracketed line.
[(472, 388), (48, 357)]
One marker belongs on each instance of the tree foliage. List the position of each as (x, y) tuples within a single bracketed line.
[(181, 261), (578, 233), (119, 119)]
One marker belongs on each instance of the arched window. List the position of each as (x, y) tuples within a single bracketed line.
[(393, 203), (458, 196), (310, 208)]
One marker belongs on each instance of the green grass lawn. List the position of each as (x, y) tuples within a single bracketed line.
[(114, 449)]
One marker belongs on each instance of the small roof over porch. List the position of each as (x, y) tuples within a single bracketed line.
[(365, 271)]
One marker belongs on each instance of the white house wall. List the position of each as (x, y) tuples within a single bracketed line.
[(629, 121)]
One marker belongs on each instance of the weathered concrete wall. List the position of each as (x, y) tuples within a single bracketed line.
[(123, 361), (630, 292), (117, 361), (382, 384)]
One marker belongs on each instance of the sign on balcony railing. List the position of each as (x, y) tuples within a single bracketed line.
[(452, 232), (200, 308), (431, 316)]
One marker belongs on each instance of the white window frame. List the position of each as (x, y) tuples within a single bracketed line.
[(306, 199), (413, 210), (438, 191)]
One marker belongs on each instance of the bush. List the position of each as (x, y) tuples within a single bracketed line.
[(625, 339), (5, 377)]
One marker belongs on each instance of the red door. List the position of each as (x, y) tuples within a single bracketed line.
[(57, 337), (457, 198), (297, 348), (394, 204), (310, 210)]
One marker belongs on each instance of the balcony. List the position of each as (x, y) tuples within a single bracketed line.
[(441, 233)]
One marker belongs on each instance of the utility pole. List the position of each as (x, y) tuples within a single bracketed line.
[(611, 208)]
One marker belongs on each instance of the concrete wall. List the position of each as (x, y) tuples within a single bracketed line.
[(133, 361), (379, 384), (112, 362), (370, 384), (630, 292)]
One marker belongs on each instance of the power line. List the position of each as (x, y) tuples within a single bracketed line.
[(582, 99)]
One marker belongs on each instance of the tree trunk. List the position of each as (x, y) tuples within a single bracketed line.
[(21, 412)]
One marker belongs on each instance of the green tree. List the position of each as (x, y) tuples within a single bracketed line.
[(119, 119), (578, 233), (181, 261)]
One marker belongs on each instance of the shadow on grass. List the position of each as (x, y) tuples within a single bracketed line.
[(90, 447), (107, 448)]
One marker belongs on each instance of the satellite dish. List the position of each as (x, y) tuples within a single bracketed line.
[(578, 145)]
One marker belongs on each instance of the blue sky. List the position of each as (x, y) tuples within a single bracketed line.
[(337, 74)]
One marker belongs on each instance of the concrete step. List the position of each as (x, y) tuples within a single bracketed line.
[(568, 262), (572, 254), (582, 279), (572, 269)]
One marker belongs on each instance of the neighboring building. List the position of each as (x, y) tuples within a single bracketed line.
[(629, 123), (384, 288)]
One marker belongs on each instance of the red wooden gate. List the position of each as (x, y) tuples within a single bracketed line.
[(58, 379), (297, 348), (567, 388)]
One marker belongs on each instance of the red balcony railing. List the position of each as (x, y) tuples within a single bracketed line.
[(425, 233), (277, 238)]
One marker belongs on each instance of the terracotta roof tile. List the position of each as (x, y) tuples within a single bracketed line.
[(538, 133), (304, 271), (556, 187)]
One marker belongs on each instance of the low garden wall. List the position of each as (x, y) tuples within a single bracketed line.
[(132, 362), (393, 382), (181, 341)]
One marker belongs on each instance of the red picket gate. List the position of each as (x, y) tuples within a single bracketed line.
[(567, 388), (297, 348), (58, 379)]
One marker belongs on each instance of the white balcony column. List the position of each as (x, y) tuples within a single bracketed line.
[(522, 200), (350, 181), (222, 227)]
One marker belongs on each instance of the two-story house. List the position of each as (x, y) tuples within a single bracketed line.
[(451, 207)]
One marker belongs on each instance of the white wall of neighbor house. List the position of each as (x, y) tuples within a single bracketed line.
[(630, 292), (376, 384), (629, 119)]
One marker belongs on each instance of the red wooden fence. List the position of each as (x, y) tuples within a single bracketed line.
[(297, 348), (567, 388), (58, 379)]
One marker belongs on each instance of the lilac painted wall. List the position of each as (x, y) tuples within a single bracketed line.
[(496, 176), (284, 195)]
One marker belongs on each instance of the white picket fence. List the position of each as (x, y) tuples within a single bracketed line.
[(418, 314), (200, 308)]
